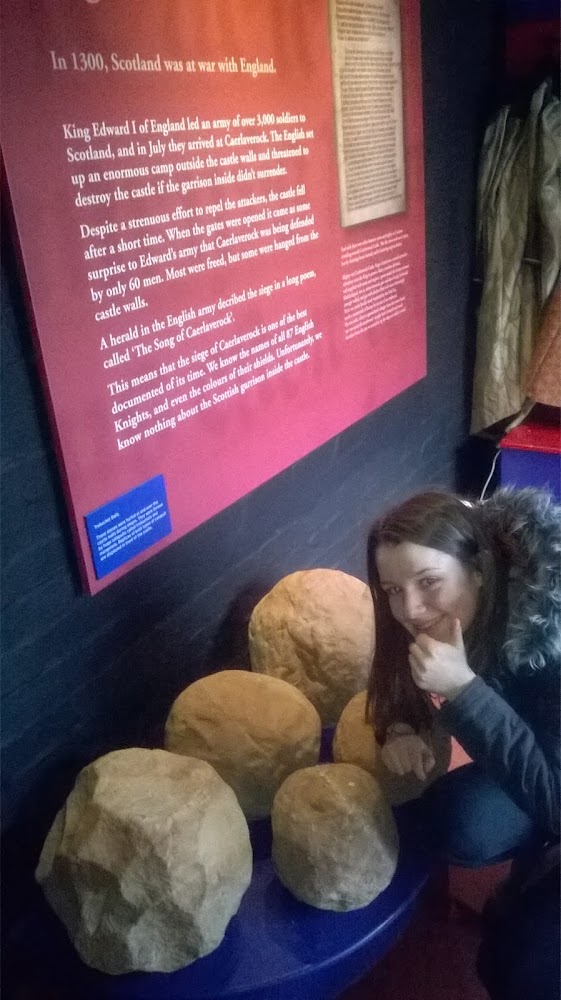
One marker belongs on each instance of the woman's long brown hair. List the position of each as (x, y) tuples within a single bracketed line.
[(440, 521)]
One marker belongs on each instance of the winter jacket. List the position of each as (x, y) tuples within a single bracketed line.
[(509, 720)]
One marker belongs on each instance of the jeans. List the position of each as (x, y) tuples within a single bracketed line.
[(468, 820)]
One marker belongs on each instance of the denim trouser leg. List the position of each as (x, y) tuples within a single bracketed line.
[(468, 819)]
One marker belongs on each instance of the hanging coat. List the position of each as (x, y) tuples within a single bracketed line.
[(519, 244)]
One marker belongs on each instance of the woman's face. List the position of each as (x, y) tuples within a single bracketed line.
[(427, 588)]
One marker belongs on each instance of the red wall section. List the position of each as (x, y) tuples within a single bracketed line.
[(254, 360)]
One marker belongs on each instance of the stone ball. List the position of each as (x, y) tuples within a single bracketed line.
[(354, 743), (335, 842), (315, 629), (254, 730), (146, 862)]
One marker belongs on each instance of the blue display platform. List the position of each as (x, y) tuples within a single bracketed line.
[(275, 948), (531, 456)]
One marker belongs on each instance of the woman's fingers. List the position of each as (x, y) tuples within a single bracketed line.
[(417, 666), (396, 760), (392, 760), (429, 760), (423, 643), (423, 762), (407, 754), (419, 768)]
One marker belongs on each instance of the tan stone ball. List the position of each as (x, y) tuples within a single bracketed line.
[(315, 629), (354, 743), (146, 862), (335, 842), (254, 730)]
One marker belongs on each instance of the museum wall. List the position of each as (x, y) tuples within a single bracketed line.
[(84, 675)]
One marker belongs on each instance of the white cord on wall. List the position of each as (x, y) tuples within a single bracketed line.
[(490, 476)]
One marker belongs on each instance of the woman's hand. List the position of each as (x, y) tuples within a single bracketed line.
[(441, 667), (403, 754)]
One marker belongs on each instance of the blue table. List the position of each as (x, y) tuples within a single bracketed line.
[(275, 948), (531, 456)]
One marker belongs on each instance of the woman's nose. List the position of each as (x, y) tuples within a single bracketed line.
[(413, 605)]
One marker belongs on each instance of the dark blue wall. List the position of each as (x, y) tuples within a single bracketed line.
[(83, 675)]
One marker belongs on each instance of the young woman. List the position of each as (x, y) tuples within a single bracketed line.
[(468, 619)]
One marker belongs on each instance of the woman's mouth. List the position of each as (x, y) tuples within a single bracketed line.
[(426, 627)]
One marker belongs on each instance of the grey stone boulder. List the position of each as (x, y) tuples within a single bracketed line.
[(315, 629), (335, 842), (147, 861), (254, 730)]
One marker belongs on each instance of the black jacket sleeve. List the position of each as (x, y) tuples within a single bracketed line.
[(521, 753)]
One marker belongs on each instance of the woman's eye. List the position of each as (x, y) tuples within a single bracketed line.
[(429, 581), (391, 591)]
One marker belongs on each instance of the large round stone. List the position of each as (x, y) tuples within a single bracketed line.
[(254, 730), (335, 843), (315, 629), (354, 743), (147, 861)]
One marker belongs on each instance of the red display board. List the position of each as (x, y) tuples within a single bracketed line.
[(204, 319)]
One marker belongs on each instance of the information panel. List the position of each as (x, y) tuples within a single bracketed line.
[(203, 316), (367, 81)]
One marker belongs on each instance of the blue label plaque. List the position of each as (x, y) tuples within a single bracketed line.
[(122, 528)]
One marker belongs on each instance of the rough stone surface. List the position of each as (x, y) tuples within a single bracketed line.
[(335, 843), (254, 730), (354, 743), (147, 861), (315, 629)]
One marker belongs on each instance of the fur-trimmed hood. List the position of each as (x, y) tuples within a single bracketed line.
[(524, 529)]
